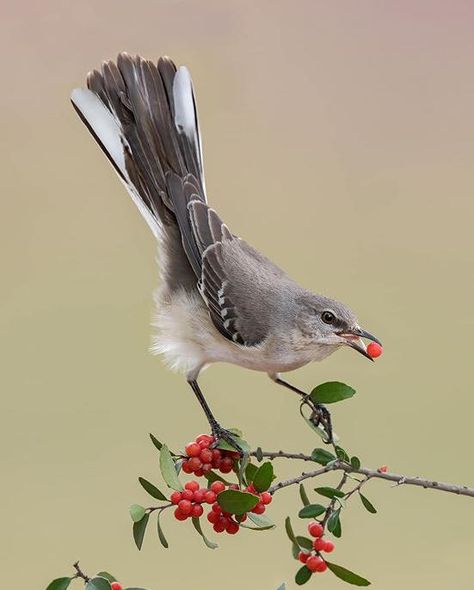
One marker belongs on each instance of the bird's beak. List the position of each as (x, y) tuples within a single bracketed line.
[(353, 338)]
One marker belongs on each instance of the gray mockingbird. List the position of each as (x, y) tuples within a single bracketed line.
[(220, 299)]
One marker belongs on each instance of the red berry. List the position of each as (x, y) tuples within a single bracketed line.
[(242, 517), (225, 468), (195, 463), (216, 508), (185, 506), (303, 556), (198, 495), (315, 529), (212, 517), (192, 485), (199, 473), (374, 350), (210, 497), (180, 515), (197, 510), (259, 508), (266, 498), (187, 495), (217, 486), (322, 567), (319, 544), (316, 564), (232, 528), (186, 467), (220, 525), (116, 585), (251, 489), (193, 450), (207, 438), (175, 497), (206, 467), (206, 456), (328, 547)]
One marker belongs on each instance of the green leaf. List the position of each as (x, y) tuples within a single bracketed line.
[(282, 586), (305, 543), (342, 455), (212, 476), (263, 477), (259, 454), (137, 512), (302, 576), (160, 532), (151, 489), (139, 529), (59, 584), (334, 523), (242, 466), (311, 511), (316, 429), (98, 583), (331, 392), (243, 444), (322, 456), (156, 442), (304, 495), (263, 523), (197, 526), (250, 472), (168, 470), (237, 502), (107, 576), (346, 575), (289, 531), (328, 492), (295, 551), (355, 462), (367, 504)]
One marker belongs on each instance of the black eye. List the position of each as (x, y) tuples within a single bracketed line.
[(328, 317)]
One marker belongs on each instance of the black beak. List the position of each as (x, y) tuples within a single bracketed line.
[(354, 343), (364, 334)]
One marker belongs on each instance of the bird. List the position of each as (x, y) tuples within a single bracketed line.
[(220, 299)]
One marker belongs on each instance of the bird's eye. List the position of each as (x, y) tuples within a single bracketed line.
[(328, 317)]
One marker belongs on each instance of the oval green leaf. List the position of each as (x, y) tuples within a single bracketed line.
[(98, 583), (161, 535), (289, 531), (151, 489), (331, 392), (59, 584), (137, 512), (156, 442), (302, 576), (139, 529), (197, 526), (237, 502), (304, 495), (367, 504), (346, 575), (305, 543), (334, 521), (312, 511), (107, 576), (250, 472), (342, 455), (262, 522), (263, 477), (355, 462), (328, 492), (322, 456), (168, 470)]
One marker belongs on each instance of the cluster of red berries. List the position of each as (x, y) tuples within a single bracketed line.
[(116, 586), (201, 458), (312, 559)]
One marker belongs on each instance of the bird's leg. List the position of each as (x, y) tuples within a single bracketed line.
[(218, 432), (319, 415)]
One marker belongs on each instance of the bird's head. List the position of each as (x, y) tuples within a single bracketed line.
[(326, 322)]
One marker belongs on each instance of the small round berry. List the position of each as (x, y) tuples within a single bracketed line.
[(316, 564), (186, 467), (185, 506), (232, 528), (175, 497), (220, 525), (259, 508), (197, 510), (199, 473), (266, 498), (210, 497), (322, 567), (180, 515), (223, 468), (116, 586), (315, 529), (187, 495), (328, 547), (191, 485), (216, 508), (216, 454), (192, 450), (374, 350), (206, 467), (206, 455), (198, 495), (217, 487), (241, 517), (207, 438), (319, 544), (303, 556), (251, 489), (195, 463), (213, 517)]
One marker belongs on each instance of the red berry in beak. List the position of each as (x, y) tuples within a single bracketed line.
[(374, 350)]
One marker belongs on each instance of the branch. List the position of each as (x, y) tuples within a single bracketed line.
[(460, 490), (80, 573)]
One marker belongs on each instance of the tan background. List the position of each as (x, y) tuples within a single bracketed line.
[(339, 139)]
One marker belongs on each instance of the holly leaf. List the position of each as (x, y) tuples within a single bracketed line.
[(151, 489), (322, 456), (237, 502), (139, 529), (168, 470), (197, 526), (59, 584), (263, 477), (137, 512), (161, 535), (98, 583), (367, 504), (302, 576), (304, 495), (311, 511), (344, 574), (331, 392), (328, 492), (289, 531), (107, 576)]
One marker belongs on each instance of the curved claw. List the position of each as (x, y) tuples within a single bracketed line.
[(221, 434)]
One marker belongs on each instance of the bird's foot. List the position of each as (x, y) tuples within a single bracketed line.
[(320, 415), (222, 434)]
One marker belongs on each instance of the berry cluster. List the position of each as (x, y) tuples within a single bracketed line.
[(312, 559), (201, 458)]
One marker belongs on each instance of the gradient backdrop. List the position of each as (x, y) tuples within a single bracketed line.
[(339, 139)]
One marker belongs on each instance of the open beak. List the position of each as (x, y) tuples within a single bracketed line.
[(353, 338)]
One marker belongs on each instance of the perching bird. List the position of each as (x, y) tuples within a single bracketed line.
[(220, 299)]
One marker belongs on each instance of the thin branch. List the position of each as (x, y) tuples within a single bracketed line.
[(460, 490), (80, 573)]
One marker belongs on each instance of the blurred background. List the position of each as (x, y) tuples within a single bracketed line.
[(339, 140)]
